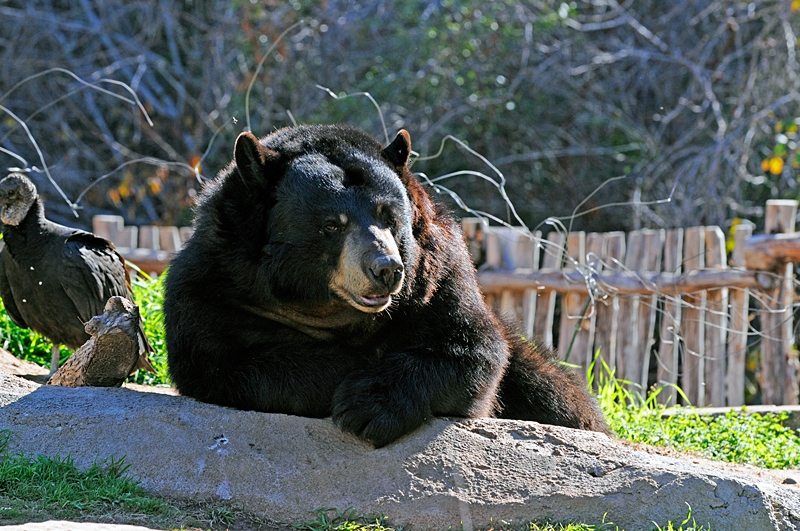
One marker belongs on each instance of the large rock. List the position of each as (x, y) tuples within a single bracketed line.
[(446, 474)]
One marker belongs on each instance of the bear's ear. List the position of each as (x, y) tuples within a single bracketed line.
[(398, 151), (250, 155)]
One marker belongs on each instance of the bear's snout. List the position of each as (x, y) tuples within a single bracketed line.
[(370, 270), (386, 271)]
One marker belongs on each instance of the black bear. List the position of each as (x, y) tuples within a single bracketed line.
[(323, 280)]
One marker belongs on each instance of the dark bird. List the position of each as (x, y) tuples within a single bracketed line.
[(53, 278)]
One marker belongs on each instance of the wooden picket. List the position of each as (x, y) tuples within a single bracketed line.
[(668, 359), (607, 306), (739, 324)]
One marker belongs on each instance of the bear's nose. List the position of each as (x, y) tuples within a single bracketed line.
[(387, 270)]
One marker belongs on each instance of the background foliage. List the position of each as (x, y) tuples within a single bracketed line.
[(694, 102)]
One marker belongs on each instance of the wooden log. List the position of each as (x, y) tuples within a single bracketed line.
[(768, 251), (693, 321), (607, 320), (739, 324), (623, 283), (669, 348), (778, 358), (715, 323), (553, 250)]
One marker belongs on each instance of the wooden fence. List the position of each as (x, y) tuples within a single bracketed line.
[(149, 247), (659, 307)]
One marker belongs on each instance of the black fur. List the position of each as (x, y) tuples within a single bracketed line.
[(276, 302)]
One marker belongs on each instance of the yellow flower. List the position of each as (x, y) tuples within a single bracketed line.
[(775, 165), (795, 6)]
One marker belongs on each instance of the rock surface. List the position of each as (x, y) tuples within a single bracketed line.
[(447, 474)]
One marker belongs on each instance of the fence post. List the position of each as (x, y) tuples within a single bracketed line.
[(572, 343), (739, 313), (607, 322), (638, 312), (693, 320), (778, 358), (669, 349), (553, 251), (715, 322)]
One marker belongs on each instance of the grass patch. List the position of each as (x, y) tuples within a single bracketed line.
[(349, 520), (746, 438), (148, 294), (56, 487), (34, 489)]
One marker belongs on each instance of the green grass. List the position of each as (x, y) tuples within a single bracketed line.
[(349, 520), (148, 294), (747, 438), (56, 487)]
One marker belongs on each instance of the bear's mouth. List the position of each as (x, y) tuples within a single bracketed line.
[(371, 303), (368, 303), (375, 301)]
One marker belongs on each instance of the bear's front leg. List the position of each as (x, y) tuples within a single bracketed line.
[(396, 396), (372, 411)]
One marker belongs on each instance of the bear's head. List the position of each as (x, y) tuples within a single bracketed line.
[(319, 221)]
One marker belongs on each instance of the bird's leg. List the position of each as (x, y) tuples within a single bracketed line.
[(56, 356)]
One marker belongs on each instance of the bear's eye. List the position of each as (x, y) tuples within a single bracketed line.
[(387, 216), (332, 226)]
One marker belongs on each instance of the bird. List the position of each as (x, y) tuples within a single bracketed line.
[(54, 278), (112, 352)]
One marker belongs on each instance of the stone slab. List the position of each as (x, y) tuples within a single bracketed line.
[(450, 473)]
